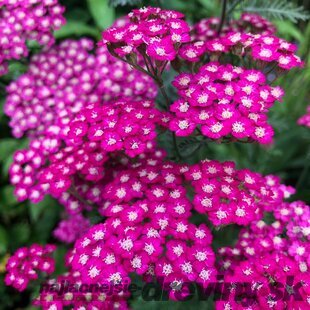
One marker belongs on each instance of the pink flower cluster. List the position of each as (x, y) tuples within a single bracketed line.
[(266, 254), (147, 231), (25, 264), (44, 169), (75, 175), (305, 119), (56, 86), (76, 298), (156, 32), (224, 101), (23, 20), (206, 29), (262, 50), (231, 196), (124, 125), (70, 229), (272, 280), (64, 79)]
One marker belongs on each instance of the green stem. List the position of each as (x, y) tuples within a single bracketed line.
[(163, 92), (74, 193), (231, 9), (175, 143), (223, 16), (304, 172)]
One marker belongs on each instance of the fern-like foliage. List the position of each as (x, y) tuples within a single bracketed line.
[(115, 3), (275, 9)]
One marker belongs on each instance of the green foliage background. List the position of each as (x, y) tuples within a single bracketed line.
[(25, 223)]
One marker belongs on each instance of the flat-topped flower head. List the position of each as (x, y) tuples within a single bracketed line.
[(268, 253), (206, 29), (228, 195), (125, 125), (136, 247), (70, 229), (265, 50), (61, 81), (26, 263), (147, 212), (224, 102), (151, 32), (22, 21)]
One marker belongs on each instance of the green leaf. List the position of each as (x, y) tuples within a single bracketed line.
[(115, 3), (44, 227), (305, 46), (2, 100), (7, 196), (211, 6), (79, 14), (20, 234), (60, 254), (7, 147), (74, 28), (277, 9), (35, 210), (287, 30), (189, 146), (101, 12), (3, 240)]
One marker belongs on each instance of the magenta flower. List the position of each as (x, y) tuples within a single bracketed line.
[(24, 20), (151, 32), (24, 265), (305, 119), (224, 102), (63, 80), (147, 212), (231, 196), (161, 49), (206, 29)]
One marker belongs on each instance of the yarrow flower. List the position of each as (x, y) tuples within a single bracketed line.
[(150, 31), (305, 119), (123, 125), (147, 231), (23, 20), (24, 265), (92, 120), (70, 229), (228, 195), (63, 80), (224, 102), (267, 254), (266, 50), (207, 29), (69, 173)]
